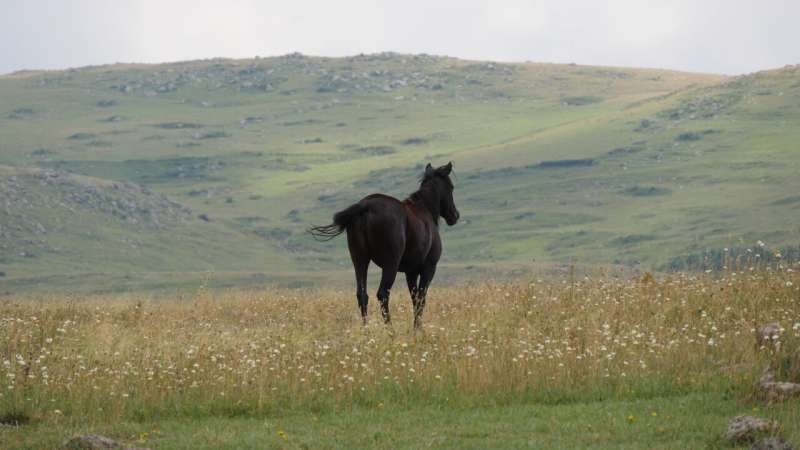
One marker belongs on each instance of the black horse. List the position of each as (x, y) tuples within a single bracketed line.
[(398, 237)]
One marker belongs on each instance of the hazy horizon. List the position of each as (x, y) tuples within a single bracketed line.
[(711, 37)]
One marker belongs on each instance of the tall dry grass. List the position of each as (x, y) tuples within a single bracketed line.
[(234, 353)]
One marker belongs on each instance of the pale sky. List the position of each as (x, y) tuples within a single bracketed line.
[(732, 37)]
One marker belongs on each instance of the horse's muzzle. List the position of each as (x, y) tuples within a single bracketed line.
[(452, 220)]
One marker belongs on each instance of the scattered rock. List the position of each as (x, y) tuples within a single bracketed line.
[(645, 124), (14, 419), (415, 141), (580, 100), (21, 113), (95, 442), (772, 443), (688, 136), (41, 152), (746, 428), (562, 163), (767, 376), (776, 391), (204, 217), (768, 334), (91, 441), (248, 120), (82, 136), (294, 216), (211, 135), (177, 125), (377, 150), (794, 370)]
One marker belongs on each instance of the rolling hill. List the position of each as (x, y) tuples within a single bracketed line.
[(150, 176)]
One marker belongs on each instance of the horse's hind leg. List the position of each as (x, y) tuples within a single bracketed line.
[(360, 258), (387, 280), (411, 280), (413, 290), (361, 287)]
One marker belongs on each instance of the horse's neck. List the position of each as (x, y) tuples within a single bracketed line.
[(427, 197)]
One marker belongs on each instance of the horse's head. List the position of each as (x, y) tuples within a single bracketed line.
[(444, 187)]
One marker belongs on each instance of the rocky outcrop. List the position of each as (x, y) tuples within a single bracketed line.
[(28, 190), (768, 335), (381, 72), (743, 429), (95, 442), (775, 391), (39, 205), (772, 443)]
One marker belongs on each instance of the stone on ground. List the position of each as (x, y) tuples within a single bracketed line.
[(772, 443), (95, 442), (746, 428)]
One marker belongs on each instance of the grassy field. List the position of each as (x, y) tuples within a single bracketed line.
[(602, 361), (555, 164)]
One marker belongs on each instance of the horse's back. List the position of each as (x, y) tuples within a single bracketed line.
[(380, 201)]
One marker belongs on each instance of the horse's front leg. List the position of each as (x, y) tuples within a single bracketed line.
[(422, 291)]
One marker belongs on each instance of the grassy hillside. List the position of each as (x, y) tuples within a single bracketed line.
[(554, 163)]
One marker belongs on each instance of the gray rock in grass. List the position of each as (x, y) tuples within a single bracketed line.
[(746, 428)]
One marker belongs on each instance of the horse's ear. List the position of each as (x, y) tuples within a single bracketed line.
[(446, 169), (428, 170)]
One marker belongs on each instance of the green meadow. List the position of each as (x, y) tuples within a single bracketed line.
[(559, 363)]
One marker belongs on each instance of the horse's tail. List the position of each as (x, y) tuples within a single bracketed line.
[(341, 220)]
